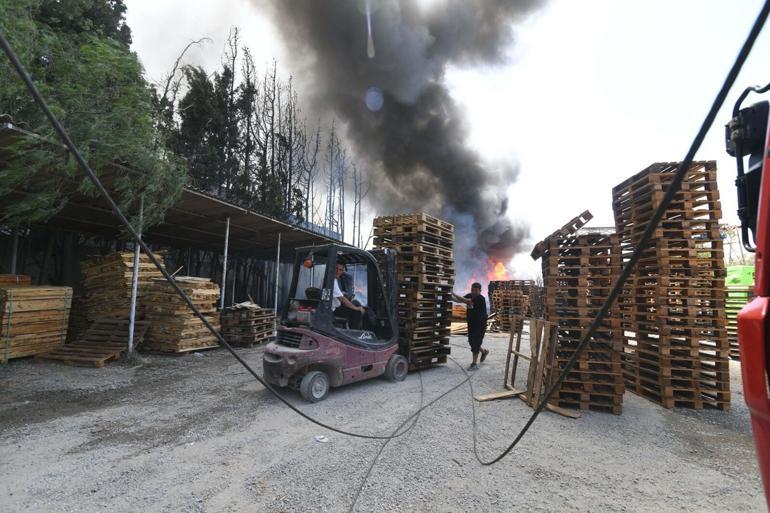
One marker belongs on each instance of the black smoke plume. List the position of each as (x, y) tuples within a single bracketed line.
[(414, 144)]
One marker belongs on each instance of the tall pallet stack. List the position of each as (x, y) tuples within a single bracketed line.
[(33, 320), (578, 273), (107, 285), (737, 297), (509, 298), (247, 324), (173, 326), (676, 349), (425, 275), (536, 301)]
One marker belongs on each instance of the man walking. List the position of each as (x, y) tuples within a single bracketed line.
[(477, 322)]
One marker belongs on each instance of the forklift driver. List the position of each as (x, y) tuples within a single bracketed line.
[(342, 306)]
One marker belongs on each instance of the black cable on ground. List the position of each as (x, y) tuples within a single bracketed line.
[(672, 189), (386, 442)]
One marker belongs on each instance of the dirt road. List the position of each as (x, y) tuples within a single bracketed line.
[(196, 433)]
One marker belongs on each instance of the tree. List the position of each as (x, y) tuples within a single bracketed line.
[(78, 56)]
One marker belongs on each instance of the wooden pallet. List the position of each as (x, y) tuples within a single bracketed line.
[(542, 343), (570, 227), (104, 341)]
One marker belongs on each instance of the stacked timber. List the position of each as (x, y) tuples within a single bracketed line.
[(107, 285), (676, 350), (737, 297), (32, 319), (425, 275), (578, 273), (15, 279), (247, 324), (510, 298), (174, 328)]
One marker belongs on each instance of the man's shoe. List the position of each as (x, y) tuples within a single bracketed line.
[(484, 354), (473, 366)]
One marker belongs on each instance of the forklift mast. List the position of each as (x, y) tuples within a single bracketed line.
[(748, 134)]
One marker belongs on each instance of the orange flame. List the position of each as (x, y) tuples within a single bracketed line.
[(498, 272)]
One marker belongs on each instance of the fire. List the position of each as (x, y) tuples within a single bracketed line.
[(498, 272), (494, 271)]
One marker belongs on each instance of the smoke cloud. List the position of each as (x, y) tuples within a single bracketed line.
[(396, 108)]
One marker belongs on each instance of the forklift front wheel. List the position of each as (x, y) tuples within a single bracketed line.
[(397, 368), (314, 386)]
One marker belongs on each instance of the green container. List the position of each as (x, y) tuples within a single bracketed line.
[(740, 275)]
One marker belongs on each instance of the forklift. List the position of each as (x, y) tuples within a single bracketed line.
[(316, 348)]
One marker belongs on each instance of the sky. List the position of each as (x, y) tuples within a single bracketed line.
[(593, 92)]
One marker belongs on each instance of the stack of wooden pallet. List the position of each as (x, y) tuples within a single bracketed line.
[(737, 297), (676, 347), (509, 298), (32, 319), (173, 326), (246, 324), (107, 285), (425, 276), (578, 273), (15, 279)]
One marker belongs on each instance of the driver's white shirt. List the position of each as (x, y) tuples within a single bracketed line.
[(336, 294)]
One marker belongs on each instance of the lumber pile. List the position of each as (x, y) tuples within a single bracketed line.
[(173, 326), (15, 279), (578, 273), (737, 297), (425, 275), (33, 319), (676, 350), (247, 324), (107, 285)]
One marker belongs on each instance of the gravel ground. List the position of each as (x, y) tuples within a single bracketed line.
[(196, 433)]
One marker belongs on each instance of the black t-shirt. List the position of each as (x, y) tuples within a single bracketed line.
[(477, 313)]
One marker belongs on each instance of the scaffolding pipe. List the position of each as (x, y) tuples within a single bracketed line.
[(135, 281), (277, 279), (235, 276), (14, 251), (224, 266)]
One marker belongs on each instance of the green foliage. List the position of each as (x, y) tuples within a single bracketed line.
[(80, 62)]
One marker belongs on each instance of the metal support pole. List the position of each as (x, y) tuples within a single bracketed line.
[(14, 251), (235, 277), (135, 280), (277, 280), (224, 266)]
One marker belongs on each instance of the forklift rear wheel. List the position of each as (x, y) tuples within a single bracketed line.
[(314, 386), (397, 368)]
